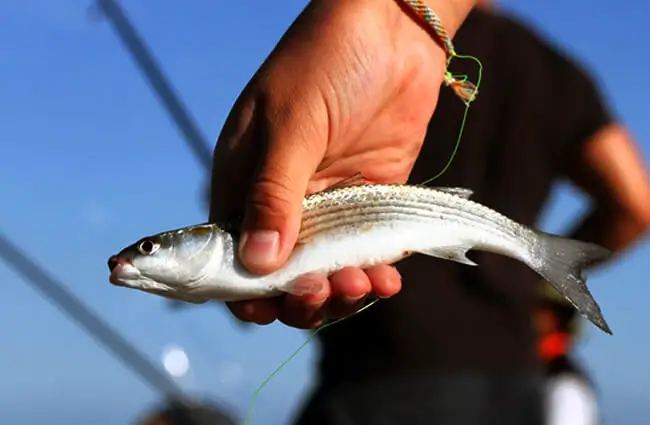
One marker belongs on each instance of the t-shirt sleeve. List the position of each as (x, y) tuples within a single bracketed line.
[(589, 110), (571, 402), (579, 108), (568, 105)]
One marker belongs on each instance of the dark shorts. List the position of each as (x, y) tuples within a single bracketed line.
[(458, 399)]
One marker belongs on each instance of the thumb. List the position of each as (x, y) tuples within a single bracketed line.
[(274, 210)]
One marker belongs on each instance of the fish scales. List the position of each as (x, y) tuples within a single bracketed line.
[(376, 203), (359, 226)]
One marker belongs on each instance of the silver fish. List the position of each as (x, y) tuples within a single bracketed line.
[(361, 226)]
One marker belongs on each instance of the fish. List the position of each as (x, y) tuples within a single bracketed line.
[(356, 225)]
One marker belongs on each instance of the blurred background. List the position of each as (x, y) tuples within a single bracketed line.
[(90, 161)]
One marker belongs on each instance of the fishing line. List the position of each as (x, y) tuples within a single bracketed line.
[(462, 78), (295, 353), (466, 91)]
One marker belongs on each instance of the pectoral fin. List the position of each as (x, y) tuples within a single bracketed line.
[(310, 283), (451, 253)]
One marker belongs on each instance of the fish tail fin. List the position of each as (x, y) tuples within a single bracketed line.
[(563, 263)]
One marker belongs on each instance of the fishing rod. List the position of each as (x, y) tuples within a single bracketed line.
[(177, 111), (162, 87), (56, 292)]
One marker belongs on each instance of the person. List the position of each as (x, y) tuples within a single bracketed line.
[(570, 392), (176, 412), (454, 344)]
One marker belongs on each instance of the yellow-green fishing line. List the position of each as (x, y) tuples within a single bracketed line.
[(295, 353), (328, 324), (467, 92), (462, 78)]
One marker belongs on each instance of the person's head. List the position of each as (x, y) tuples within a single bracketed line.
[(175, 412)]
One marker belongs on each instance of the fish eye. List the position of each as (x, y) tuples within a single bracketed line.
[(147, 247)]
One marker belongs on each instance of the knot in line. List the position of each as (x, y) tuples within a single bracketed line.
[(464, 89)]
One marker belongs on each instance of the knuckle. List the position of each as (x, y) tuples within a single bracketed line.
[(295, 321), (246, 311), (297, 121), (300, 314), (264, 320), (271, 196), (239, 311), (385, 280)]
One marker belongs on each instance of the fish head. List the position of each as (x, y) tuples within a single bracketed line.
[(171, 263)]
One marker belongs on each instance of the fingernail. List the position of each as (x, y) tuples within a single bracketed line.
[(261, 248), (352, 300)]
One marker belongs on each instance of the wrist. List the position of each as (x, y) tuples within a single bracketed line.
[(441, 25), (452, 13), (449, 14)]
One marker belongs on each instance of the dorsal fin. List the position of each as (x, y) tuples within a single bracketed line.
[(457, 191), (355, 179)]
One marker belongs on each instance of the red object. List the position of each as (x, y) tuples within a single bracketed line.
[(554, 345)]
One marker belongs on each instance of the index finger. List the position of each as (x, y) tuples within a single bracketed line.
[(234, 163), (262, 312)]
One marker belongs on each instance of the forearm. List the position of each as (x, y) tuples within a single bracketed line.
[(452, 13), (611, 171), (400, 15)]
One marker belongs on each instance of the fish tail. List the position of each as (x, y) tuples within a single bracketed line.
[(563, 263)]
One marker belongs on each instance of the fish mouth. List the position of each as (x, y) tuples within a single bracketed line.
[(123, 273), (126, 275)]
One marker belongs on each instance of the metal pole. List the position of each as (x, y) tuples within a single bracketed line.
[(66, 301), (164, 90)]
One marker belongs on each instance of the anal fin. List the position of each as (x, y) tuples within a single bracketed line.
[(457, 254)]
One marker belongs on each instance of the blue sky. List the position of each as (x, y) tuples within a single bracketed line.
[(90, 161)]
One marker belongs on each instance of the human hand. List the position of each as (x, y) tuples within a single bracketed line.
[(349, 89)]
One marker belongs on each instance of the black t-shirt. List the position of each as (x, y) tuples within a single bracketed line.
[(567, 366), (534, 110)]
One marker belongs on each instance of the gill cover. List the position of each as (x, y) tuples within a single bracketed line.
[(179, 257)]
